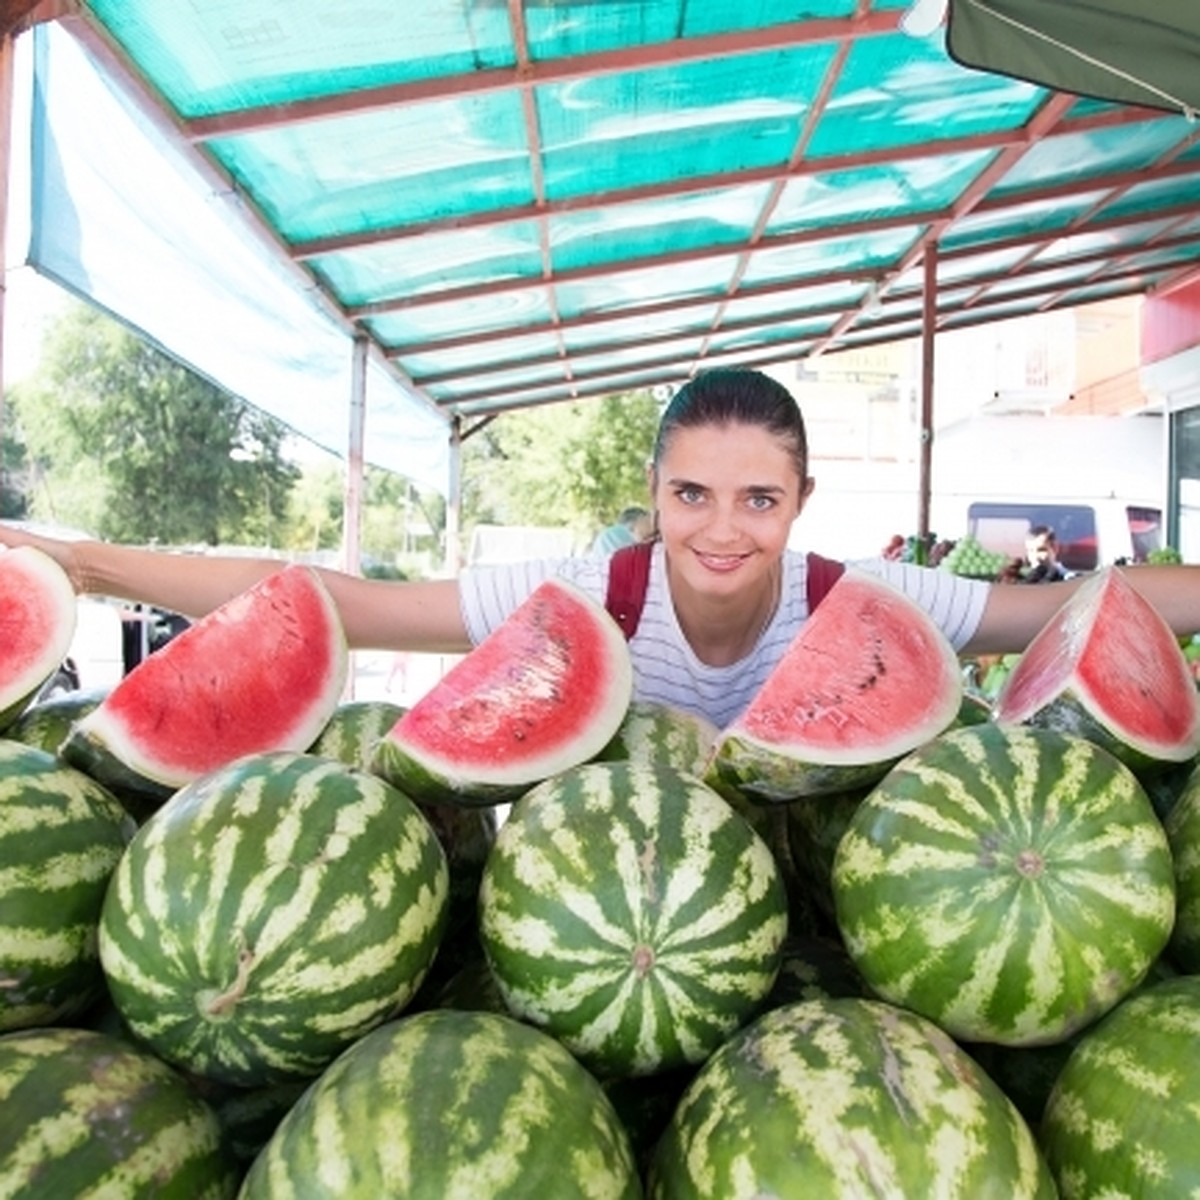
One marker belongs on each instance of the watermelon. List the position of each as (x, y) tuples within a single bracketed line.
[(449, 1104), (269, 914), (1011, 884), (543, 692), (1121, 1117), (354, 730), (86, 1114), (1108, 668), (1182, 825), (46, 723), (868, 678), (814, 829), (263, 672), (61, 837), (631, 913), (38, 603), (652, 732), (842, 1099)]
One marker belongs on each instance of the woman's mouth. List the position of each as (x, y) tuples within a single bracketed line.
[(721, 562)]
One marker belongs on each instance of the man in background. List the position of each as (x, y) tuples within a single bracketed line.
[(633, 525)]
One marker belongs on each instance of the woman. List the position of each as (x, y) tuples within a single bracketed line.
[(728, 478)]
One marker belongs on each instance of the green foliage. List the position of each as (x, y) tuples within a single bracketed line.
[(575, 465), (128, 444)]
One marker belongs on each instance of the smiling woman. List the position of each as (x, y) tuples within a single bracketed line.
[(724, 596)]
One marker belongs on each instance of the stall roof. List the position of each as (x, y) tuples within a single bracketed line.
[(525, 201)]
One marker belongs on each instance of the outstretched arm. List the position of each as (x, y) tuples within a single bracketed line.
[(1015, 613), (376, 614)]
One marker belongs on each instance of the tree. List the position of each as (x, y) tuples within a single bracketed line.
[(575, 465), (127, 443)]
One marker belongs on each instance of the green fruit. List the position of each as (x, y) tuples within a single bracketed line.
[(449, 1104), (271, 913), (657, 734), (630, 912), (1121, 1118), (86, 1114), (353, 732), (843, 1099), (61, 837), (1010, 884)]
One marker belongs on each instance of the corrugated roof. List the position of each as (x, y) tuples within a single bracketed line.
[(525, 201)]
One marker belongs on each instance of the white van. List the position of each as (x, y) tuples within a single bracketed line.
[(1089, 534)]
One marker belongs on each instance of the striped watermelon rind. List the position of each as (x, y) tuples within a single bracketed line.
[(1182, 825), (844, 1098), (631, 913), (1121, 1116), (355, 729), (87, 1114), (1107, 667), (40, 612), (270, 914), (545, 691), (61, 837), (444, 1104), (656, 733), (47, 723), (261, 673), (868, 678), (1011, 884)]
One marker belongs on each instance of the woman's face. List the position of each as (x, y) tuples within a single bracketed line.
[(726, 497)]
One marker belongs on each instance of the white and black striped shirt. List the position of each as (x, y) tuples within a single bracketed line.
[(665, 669)]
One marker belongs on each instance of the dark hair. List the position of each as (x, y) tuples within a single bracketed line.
[(632, 514), (1043, 531), (736, 395)]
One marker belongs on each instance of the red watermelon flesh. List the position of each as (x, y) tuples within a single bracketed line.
[(263, 672), (544, 692), (37, 623), (869, 677), (1107, 666)]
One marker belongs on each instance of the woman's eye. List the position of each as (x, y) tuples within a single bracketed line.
[(761, 503), (690, 495)]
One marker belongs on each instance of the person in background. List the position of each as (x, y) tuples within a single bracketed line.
[(1041, 557), (726, 590), (632, 526)]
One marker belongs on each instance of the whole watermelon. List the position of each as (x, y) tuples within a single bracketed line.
[(629, 911), (449, 1104), (1182, 824), (61, 837), (1010, 883), (842, 1099), (271, 913), (353, 731), (87, 1114), (1121, 1117)]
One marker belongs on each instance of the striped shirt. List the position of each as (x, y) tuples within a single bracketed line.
[(665, 670)]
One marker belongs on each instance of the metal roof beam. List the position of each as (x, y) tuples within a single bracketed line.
[(533, 73), (692, 185)]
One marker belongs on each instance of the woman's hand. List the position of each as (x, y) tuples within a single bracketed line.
[(63, 552)]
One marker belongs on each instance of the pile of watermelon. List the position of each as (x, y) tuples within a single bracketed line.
[(871, 939)]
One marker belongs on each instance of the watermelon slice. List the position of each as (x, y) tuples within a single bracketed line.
[(543, 692), (37, 623), (263, 672), (1108, 668), (868, 678)]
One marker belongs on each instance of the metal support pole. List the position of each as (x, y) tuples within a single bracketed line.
[(928, 334)]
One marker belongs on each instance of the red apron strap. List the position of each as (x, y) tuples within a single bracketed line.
[(628, 579), (823, 573)]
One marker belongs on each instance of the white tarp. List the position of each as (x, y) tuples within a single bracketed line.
[(120, 213)]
